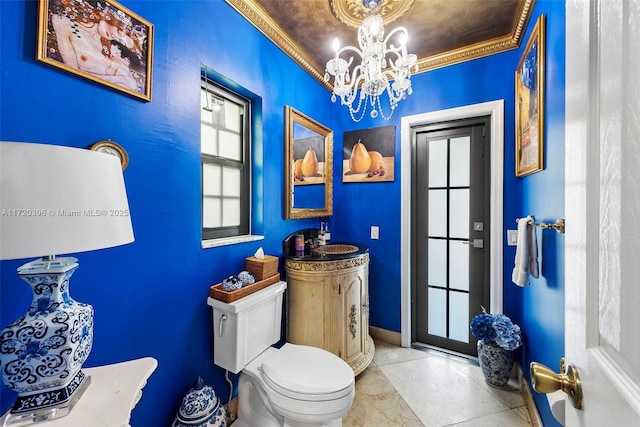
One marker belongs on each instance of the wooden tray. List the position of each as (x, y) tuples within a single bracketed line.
[(216, 291)]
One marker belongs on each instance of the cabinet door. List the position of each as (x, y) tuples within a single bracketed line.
[(353, 314), (309, 303)]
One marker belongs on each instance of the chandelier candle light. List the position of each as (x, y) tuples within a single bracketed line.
[(381, 69)]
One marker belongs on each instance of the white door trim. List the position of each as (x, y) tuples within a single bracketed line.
[(496, 110)]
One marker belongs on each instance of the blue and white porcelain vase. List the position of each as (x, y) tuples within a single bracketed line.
[(200, 408), (496, 363), (42, 352)]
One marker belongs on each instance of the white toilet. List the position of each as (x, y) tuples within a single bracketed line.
[(295, 385)]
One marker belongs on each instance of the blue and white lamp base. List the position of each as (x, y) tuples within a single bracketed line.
[(42, 352)]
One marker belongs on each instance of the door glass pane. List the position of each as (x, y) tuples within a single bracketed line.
[(460, 148), (438, 213), (458, 213), (458, 265), (437, 275), (459, 316), (438, 163), (437, 312)]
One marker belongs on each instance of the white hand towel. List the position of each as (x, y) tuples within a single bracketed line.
[(533, 251), (520, 274)]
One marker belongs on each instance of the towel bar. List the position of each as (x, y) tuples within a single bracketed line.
[(558, 225)]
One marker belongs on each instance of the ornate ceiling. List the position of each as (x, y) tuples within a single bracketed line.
[(442, 32)]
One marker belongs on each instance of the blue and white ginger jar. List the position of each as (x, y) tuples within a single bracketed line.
[(200, 408)]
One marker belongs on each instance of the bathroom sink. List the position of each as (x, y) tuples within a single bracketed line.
[(337, 249)]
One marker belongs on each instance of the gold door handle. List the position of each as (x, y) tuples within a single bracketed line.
[(546, 381)]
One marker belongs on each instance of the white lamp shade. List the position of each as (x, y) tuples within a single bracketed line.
[(58, 200)]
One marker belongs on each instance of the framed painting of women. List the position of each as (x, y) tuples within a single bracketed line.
[(100, 40), (530, 103)]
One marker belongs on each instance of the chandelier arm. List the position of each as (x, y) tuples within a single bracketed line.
[(394, 51), (349, 48), (394, 31)]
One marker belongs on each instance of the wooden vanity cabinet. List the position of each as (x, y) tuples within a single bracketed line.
[(328, 307)]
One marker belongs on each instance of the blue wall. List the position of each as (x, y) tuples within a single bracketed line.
[(542, 313), (150, 296)]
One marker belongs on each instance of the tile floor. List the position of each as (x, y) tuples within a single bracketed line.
[(409, 387)]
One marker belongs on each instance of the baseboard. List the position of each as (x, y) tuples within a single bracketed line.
[(385, 335), (534, 415)]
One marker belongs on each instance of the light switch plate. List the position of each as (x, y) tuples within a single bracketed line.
[(375, 232), (512, 237)]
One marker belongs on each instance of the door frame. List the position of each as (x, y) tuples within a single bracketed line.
[(494, 109)]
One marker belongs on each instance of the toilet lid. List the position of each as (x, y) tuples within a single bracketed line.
[(302, 370)]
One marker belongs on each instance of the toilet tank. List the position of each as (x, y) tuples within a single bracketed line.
[(246, 327)]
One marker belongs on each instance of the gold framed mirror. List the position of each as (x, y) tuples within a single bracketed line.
[(308, 167)]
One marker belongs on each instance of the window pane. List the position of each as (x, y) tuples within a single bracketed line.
[(231, 182), (458, 265), (438, 213), (460, 148), (437, 272), (211, 212), (231, 208), (230, 145), (232, 112), (437, 312), (204, 106), (459, 213), (438, 163), (208, 139), (211, 180), (459, 316)]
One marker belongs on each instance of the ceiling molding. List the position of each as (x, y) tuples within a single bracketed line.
[(263, 22), (257, 16), (353, 12)]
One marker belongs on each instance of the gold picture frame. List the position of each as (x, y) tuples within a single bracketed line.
[(530, 78), (112, 148), (102, 41)]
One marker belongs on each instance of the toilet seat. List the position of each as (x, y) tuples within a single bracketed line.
[(295, 398), (307, 373)]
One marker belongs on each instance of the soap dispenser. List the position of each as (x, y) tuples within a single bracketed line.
[(327, 234), (321, 237)]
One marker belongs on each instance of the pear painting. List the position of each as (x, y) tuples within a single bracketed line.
[(368, 155), (360, 159)]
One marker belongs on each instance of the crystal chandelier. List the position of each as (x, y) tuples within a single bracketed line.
[(381, 69)]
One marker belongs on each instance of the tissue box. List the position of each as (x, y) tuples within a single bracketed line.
[(262, 268)]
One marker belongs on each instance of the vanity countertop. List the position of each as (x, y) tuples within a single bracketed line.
[(312, 254)]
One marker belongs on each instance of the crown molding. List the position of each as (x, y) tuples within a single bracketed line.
[(252, 11)]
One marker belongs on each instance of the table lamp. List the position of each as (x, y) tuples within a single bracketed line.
[(54, 200)]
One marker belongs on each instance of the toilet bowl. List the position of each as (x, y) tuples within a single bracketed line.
[(293, 386)]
